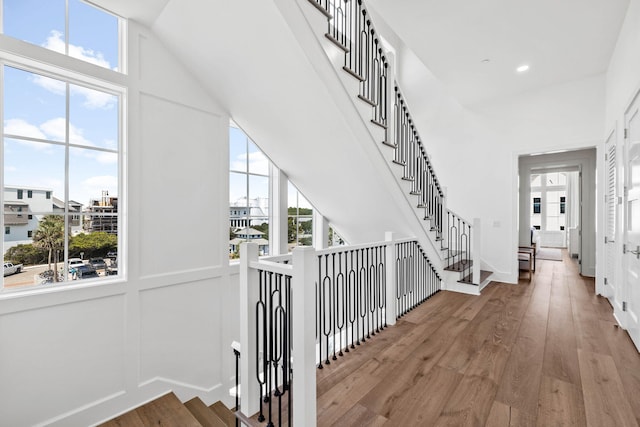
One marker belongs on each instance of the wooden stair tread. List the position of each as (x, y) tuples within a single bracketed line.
[(223, 413), (335, 41), (166, 410), (128, 419), (353, 73), (204, 414), (460, 265), (321, 9), (484, 275)]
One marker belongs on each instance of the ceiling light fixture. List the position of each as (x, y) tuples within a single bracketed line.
[(484, 61), (522, 68)]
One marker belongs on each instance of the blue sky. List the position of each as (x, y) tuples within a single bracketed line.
[(35, 105), (241, 149)]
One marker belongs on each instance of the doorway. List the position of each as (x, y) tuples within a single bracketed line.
[(557, 203)]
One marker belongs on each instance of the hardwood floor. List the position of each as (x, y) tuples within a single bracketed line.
[(545, 352)]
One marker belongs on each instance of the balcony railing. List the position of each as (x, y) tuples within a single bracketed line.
[(308, 310)]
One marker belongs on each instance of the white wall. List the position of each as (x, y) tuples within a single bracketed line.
[(78, 355), (475, 151), (623, 84)]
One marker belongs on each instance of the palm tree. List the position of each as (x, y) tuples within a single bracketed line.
[(50, 237)]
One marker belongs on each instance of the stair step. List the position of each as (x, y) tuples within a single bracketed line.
[(367, 100), (397, 162), (407, 178), (353, 73), (377, 123), (460, 265), (415, 193), (321, 9), (165, 410), (336, 42), (484, 275), (224, 413), (390, 144), (204, 414)]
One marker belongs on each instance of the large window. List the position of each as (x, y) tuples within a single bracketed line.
[(61, 145), (548, 200), (70, 27), (248, 193)]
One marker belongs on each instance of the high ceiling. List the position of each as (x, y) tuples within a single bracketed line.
[(474, 47), (560, 41)]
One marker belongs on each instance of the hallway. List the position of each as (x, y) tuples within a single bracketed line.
[(545, 352)]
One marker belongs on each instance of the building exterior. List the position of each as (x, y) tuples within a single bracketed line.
[(75, 217), (101, 215), (23, 207), (252, 235), (247, 213)]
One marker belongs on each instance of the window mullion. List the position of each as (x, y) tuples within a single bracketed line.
[(66, 175)]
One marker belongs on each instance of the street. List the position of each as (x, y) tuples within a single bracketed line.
[(26, 276)]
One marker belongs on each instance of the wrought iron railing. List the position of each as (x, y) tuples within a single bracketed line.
[(273, 340), (350, 298), (351, 28), (410, 153), (416, 278), (236, 352), (459, 250), (356, 292)]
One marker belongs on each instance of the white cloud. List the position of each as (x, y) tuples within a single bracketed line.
[(54, 86), (258, 163), (92, 187), (93, 99), (106, 158), (22, 128), (56, 42)]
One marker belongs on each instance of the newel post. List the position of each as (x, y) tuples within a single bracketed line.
[(390, 263), (476, 242), (249, 295), (303, 281)]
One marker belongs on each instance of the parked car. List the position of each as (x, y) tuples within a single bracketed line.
[(75, 262), (86, 271), (98, 263), (112, 254), (112, 269), (10, 268)]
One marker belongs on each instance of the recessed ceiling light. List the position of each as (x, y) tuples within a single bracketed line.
[(484, 61), (522, 68)]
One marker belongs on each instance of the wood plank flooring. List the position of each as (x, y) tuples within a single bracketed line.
[(543, 352)]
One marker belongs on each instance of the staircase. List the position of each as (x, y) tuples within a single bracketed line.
[(350, 40), (167, 410)]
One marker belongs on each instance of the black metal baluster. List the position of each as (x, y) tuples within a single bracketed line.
[(352, 301), (384, 285), (370, 293), (277, 326), (237, 408), (340, 290), (334, 299), (261, 317), (269, 358)]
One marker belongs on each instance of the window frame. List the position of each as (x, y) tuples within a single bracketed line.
[(244, 213), (73, 71)]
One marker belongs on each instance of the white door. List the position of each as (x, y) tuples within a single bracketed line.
[(631, 231), (611, 288)]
